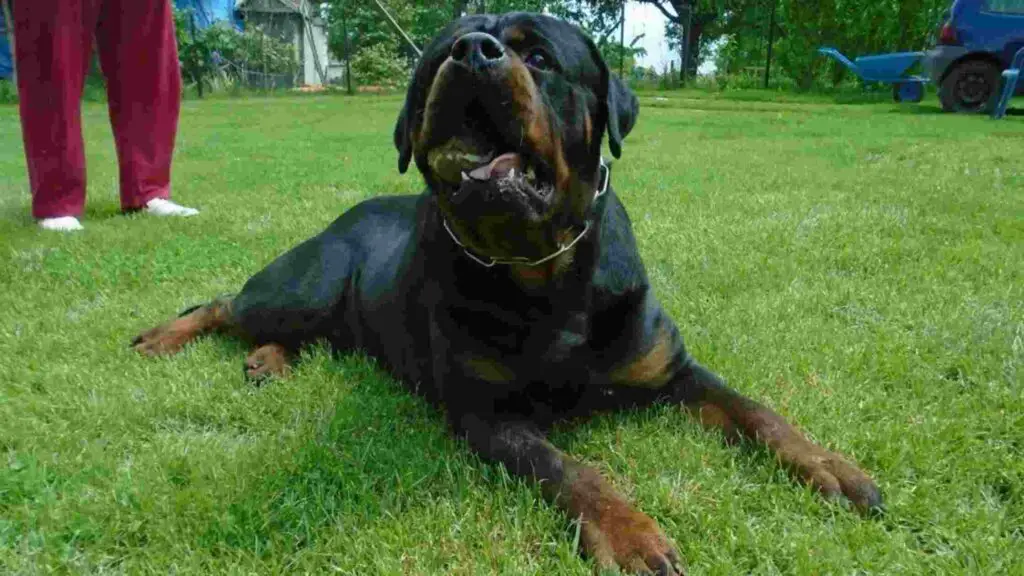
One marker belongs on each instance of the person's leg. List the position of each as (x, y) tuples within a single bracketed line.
[(139, 57), (53, 41)]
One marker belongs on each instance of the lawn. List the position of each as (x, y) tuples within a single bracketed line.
[(860, 268)]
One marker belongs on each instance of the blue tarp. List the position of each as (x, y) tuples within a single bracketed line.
[(5, 50), (207, 12)]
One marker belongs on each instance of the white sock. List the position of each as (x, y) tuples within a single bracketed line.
[(161, 207), (63, 223)]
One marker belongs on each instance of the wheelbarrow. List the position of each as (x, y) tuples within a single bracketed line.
[(1010, 78), (888, 68)]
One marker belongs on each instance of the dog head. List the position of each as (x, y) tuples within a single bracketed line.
[(505, 118)]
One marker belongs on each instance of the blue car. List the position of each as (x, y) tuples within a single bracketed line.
[(976, 42)]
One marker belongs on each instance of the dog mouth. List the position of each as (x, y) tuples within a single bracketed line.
[(478, 165)]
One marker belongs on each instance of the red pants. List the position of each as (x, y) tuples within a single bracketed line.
[(139, 58)]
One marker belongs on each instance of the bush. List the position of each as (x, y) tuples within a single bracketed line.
[(379, 65), (220, 54), (8, 92)]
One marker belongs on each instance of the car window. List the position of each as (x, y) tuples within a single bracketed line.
[(1012, 6)]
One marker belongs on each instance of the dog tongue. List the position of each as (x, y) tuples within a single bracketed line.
[(498, 167)]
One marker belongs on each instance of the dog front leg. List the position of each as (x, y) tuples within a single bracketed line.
[(612, 532), (266, 362), (719, 407)]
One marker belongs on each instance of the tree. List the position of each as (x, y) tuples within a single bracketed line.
[(856, 27), (420, 19), (739, 27), (613, 53), (221, 52), (697, 16), (459, 8)]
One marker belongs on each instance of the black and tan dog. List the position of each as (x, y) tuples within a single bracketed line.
[(511, 293)]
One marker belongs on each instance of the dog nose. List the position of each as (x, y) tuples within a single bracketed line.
[(478, 50)]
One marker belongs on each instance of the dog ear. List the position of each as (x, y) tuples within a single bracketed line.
[(403, 135), (619, 105), (419, 84), (623, 109)]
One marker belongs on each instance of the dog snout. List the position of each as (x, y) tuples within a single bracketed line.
[(478, 51)]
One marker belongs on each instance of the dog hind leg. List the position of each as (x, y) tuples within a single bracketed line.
[(170, 337)]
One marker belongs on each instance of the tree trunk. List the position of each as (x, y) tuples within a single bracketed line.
[(686, 19), (696, 31), (771, 42), (348, 53), (838, 74), (806, 79), (682, 62)]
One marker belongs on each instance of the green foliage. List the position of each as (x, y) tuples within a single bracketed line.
[(705, 18), (739, 29), (255, 49), (808, 23), (8, 92), (613, 53), (195, 50), (380, 65), (802, 26), (367, 28), (221, 53)]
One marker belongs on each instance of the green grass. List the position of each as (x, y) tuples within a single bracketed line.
[(859, 268)]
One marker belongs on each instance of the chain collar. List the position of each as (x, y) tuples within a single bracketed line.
[(488, 262)]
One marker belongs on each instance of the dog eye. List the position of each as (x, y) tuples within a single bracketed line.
[(538, 60)]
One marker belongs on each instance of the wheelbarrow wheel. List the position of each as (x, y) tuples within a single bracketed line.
[(971, 86), (907, 92)]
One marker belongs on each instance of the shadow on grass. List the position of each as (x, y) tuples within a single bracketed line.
[(932, 110), (379, 454)]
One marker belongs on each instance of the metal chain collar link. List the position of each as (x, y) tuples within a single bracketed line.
[(523, 261)]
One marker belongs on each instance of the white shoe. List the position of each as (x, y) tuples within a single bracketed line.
[(63, 224), (161, 207)]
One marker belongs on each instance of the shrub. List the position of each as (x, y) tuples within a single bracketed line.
[(220, 54), (380, 65)]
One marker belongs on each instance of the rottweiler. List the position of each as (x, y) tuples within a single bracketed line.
[(511, 292)]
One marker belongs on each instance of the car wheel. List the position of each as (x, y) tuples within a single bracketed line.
[(971, 86)]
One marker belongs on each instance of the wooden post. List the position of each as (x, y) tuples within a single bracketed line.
[(348, 54), (771, 40), (622, 43), (263, 50), (196, 66)]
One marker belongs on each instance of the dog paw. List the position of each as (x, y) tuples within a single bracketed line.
[(836, 478), (269, 361), (627, 540), (164, 339)]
